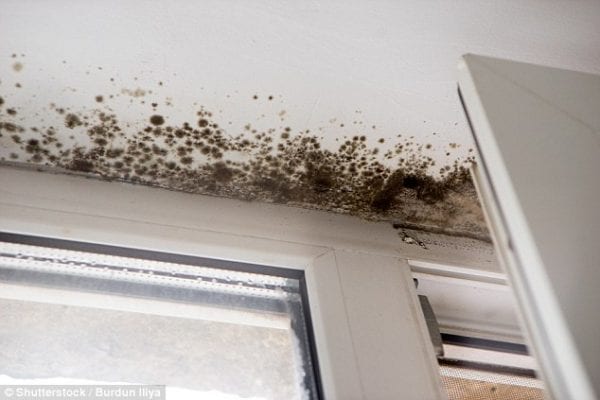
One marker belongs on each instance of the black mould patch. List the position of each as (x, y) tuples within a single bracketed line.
[(281, 165), (80, 164), (157, 120), (11, 127), (71, 120)]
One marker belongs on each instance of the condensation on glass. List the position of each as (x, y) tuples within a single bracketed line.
[(204, 332)]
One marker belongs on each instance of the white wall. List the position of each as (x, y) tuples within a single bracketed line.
[(388, 64)]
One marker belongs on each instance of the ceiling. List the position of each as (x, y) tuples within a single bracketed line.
[(346, 106)]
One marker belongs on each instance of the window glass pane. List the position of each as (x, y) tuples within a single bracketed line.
[(74, 316)]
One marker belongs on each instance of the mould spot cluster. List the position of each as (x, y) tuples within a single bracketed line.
[(281, 164)]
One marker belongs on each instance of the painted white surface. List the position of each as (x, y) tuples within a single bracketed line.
[(538, 132), (371, 337), (384, 64)]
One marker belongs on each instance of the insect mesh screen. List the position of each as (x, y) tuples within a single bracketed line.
[(469, 384)]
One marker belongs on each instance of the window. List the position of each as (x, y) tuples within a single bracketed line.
[(205, 328), (368, 333)]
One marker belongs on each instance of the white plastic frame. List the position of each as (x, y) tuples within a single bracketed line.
[(537, 177)]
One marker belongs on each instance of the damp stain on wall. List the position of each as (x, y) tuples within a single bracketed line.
[(284, 164)]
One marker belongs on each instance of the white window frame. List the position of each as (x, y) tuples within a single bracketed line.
[(370, 335)]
